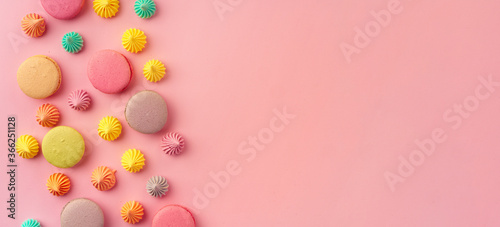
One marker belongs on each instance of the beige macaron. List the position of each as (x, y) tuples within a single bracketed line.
[(39, 76)]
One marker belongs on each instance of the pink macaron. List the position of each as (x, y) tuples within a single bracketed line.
[(173, 216), (63, 9), (109, 71)]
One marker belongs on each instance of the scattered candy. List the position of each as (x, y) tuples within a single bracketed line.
[(27, 146), (33, 25)]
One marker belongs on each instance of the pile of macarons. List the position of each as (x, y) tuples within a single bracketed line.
[(110, 72)]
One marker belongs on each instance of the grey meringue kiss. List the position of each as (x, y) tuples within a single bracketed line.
[(157, 186)]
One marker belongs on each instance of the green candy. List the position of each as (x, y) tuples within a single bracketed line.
[(145, 8), (31, 223), (72, 42)]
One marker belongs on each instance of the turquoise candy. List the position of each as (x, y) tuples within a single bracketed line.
[(31, 223), (145, 8), (72, 42)]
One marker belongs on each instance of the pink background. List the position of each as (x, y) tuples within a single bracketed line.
[(226, 75)]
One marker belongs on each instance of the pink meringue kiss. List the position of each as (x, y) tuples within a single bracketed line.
[(79, 100), (172, 143)]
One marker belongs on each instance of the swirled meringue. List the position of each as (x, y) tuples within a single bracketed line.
[(133, 160), (106, 8), (109, 128), (145, 8), (58, 184), (172, 143), (33, 25), (27, 146), (154, 70), (79, 100), (31, 223), (133, 40), (157, 186), (132, 212), (47, 115), (72, 42), (103, 178)]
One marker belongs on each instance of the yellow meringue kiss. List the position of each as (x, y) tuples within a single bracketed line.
[(109, 128), (133, 40), (133, 160), (27, 146), (154, 70), (106, 8)]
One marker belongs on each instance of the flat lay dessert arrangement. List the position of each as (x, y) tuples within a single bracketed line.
[(241, 113), (64, 147)]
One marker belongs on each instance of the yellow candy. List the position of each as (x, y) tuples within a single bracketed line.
[(27, 146), (133, 160), (133, 40), (109, 128), (154, 70), (106, 8)]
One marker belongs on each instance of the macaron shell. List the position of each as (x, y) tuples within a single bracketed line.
[(173, 216), (63, 147), (146, 112), (109, 71), (63, 9), (39, 76), (82, 213)]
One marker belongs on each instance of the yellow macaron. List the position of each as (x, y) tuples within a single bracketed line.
[(63, 147)]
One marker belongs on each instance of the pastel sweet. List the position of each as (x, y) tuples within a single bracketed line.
[(39, 77), (146, 112), (33, 25), (27, 146), (58, 184), (47, 115), (82, 213), (172, 143), (157, 186), (30, 223), (72, 42), (109, 128), (109, 71), (63, 147), (145, 8), (134, 40), (173, 216), (133, 160), (132, 212), (79, 100), (103, 178), (62, 9), (106, 8), (154, 70)]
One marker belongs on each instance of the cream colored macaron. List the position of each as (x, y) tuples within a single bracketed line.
[(39, 76)]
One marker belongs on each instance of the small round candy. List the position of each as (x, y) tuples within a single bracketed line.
[(145, 8), (173, 215), (63, 9), (82, 213), (31, 223), (146, 112), (63, 146), (39, 77), (72, 42), (33, 25), (109, 71)]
